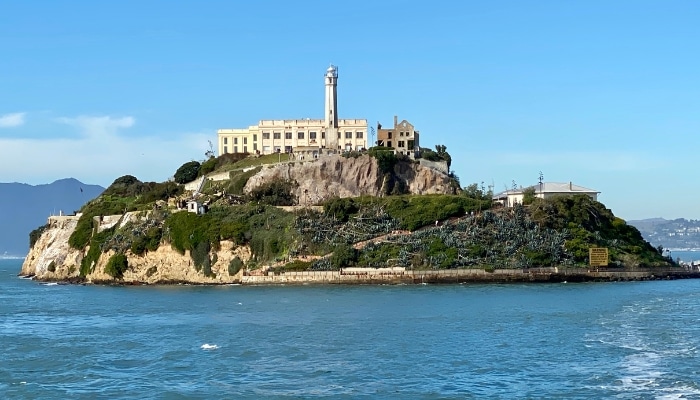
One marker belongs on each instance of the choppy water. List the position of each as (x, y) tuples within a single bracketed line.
[(594, 340)]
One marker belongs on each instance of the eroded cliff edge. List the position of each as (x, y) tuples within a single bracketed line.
[(52, 259), (338, 176)]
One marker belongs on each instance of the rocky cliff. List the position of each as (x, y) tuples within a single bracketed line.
[(337, 176), (52, 259)]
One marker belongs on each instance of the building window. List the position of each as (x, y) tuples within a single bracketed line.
[(266, 135), (235, 140), (323, 135), (245, 149), (287, 149), (389, 135), (338, 135), (276, 135), (235, 149), (312, 135), (388, 143), (400, 133), (300, 135), (348, 135), (266, 149), (288, 135), (225, 140), (401, 143), (225, 149), (255, 147), (255, 138), (358, 135), (245, 141), (277, 149)]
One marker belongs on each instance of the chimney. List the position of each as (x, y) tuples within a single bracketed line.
[(571, 186), (396, 120)]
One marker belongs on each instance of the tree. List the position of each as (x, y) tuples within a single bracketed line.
[(529, 195), (441, 151), (187, 172)]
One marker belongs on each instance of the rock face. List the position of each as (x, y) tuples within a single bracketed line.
[(337, 176), (52, 252), (52, 259)]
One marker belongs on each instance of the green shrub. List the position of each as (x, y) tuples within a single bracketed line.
[(386, 159), (187, 172), (340, 208), (52, 266), (116, 265), (235, 266), (276, 192), (343, 256), (93, 255), (207, 166), (296, 265), (36, 234), (200, 256), (238, 179)]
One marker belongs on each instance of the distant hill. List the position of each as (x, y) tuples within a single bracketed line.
[(678, 233), (25, 207)]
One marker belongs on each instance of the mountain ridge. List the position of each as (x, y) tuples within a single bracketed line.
[(26, 207)]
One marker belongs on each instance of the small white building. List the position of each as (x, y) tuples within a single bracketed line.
[(196, 207), (543, 190)]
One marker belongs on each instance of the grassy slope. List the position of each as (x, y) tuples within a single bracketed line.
[(551, 232)]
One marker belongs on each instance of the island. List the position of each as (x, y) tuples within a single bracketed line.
[(367, 216)]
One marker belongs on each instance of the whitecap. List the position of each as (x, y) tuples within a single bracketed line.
[(207, 346), (50, 284)]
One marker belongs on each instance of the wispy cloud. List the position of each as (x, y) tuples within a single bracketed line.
[(12, 120), (102, 125), (583, 160), (100, 153)]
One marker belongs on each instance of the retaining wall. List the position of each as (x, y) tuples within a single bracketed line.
[(466, 275)]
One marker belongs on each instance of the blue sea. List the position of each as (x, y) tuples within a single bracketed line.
[(633, 340)]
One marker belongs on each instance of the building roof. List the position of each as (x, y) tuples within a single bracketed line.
[(549, 187)]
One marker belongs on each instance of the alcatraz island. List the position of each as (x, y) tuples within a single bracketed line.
[(308, 201)]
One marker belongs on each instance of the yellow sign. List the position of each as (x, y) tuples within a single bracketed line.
[(598, 256)]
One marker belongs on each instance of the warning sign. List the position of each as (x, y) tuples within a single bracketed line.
[(598, 256)]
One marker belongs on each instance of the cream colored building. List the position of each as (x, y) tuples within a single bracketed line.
[(330, 134), (403, 138), (543, 190)]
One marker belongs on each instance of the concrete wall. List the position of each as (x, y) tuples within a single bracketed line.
[(436, 165), (465, 275)]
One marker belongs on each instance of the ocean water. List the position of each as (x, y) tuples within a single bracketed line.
[(633, 340)]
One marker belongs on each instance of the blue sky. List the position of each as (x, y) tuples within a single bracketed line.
[(602, 93)]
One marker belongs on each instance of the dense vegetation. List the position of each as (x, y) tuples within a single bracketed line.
[(427, 231)]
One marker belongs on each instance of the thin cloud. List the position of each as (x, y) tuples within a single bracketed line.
[(12, 120), (100, 154), (90, 125), (583, 160)]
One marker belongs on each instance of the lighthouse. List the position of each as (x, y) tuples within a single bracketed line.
[(331, 122)]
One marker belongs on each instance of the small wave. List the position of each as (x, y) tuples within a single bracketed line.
[(207, 346), (50, 284)]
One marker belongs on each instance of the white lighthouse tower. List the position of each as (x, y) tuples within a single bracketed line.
[(331, 125)]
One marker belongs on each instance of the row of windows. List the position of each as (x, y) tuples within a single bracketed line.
[(245, 140), (312, 135), (389, 133), (245, 148), (289, 149), (400, 143)]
